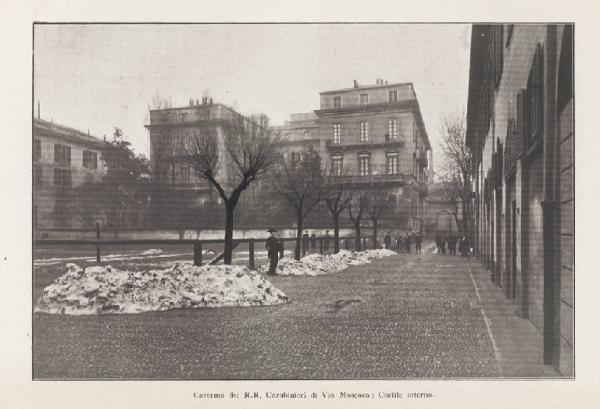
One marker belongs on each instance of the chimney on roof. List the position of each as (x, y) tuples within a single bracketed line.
[(197, 103), (191, 102), (355, 84), (211, 101)]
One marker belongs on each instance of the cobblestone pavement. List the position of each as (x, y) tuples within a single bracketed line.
[(400, 317)]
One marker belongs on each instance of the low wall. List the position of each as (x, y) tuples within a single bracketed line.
[(207, 234)]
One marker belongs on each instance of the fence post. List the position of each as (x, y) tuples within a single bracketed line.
[(321, 245), (251, 254), (197, 253), (346, 246), (364, 243), (97, 244)]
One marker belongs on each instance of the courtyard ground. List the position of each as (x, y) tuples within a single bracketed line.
[(405, 316)]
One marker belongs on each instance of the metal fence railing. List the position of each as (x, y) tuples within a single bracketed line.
[(319, 244)]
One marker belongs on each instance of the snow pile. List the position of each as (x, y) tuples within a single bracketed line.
[(152, 252), (98, 290), (290, 267), (318, 264)]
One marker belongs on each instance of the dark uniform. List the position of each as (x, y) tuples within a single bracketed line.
[(387, 241), (418, 243), (305, 238), (272, 246)]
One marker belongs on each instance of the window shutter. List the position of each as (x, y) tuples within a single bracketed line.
[(535, 100), (498, 53), (521, 120)]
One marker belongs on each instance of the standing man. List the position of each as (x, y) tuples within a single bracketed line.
[(305, 238), (438, 243), (408, 241), (313, 242), (387, 240), (326, 242), (272, 246), (418, 243)]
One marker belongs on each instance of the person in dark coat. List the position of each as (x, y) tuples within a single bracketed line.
[(387, 241), (305, 239), (313, 241), (443, 244), (408, 241), (438, 243), (273, 250), (452, 244), (418, 243), (326, 241)]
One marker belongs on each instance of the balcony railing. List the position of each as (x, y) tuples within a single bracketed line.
[(354, 143), (375, 174)]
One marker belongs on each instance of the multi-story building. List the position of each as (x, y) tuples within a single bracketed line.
[(441, 214), (372, 136), (301, 131), (172, 133), (520, 132), (63, 159)]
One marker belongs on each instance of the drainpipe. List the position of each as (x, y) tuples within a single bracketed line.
[(551, 278)]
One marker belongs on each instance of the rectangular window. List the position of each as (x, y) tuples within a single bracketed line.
[(534, 106), (62, 178), (392, 130), (393, 96), (185, 175), (392, 163), (364, 167), (62, 154), (337, 133), (337, 165), (37, 174), (90, 160), (337, 102), (364, 99), (364, 131), (37, 149), (295, 157)]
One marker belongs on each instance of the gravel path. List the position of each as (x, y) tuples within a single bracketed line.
[(400, 317)]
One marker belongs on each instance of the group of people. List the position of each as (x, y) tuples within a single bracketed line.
[(403, 243), (450, 243), (274, 246), (309, 243)]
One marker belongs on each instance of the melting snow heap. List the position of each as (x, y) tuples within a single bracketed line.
[(99, 290), (318, 264)]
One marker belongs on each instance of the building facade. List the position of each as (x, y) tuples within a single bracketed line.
[(441, 215), (520, 132), (372, 136), (172, 132), (63, 159)]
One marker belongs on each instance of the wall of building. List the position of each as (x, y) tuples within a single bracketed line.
[(377, 95), (526, 188)]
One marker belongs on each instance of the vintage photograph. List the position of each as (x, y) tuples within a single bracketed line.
[(303, 201)]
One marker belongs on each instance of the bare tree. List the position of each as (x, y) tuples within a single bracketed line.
[(300, 182), (247, 149), (456, 168), (378, 202), (337, 198), (356, 210)]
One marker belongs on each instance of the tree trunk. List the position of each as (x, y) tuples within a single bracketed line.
[(358, 242), (227, 253), (299, 220), (336, 232), (375, 226)]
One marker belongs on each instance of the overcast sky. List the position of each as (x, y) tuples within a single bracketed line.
[(98, 77)]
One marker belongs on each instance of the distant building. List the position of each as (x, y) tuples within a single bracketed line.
[(301, 131), (520, 118), (371, 136), (63, 159), (172, 131), (440, 213)]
